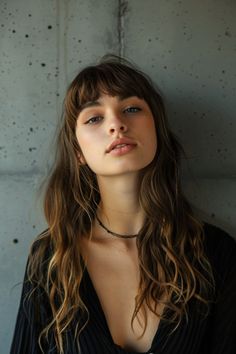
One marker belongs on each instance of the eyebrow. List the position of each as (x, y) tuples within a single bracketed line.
[(89, 104), (97, 103)]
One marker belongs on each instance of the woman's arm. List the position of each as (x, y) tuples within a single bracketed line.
[(33, 315), (221, 334)]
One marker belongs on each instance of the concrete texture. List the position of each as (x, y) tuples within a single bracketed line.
[(187, 47)]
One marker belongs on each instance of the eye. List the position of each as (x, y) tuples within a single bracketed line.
[(132, 109), (94, 120)]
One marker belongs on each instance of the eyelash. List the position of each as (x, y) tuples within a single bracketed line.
[(132, 107)]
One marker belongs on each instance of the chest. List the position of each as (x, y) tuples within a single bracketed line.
[(115, 277)]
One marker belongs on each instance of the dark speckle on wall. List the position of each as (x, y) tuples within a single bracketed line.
[(15, 240), (227, 33)]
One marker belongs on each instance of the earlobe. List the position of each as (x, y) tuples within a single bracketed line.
[(81, 159)]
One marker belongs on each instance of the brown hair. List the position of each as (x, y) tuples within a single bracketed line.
[(170, 243)]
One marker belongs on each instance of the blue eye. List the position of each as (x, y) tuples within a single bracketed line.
[(132, 109), (93, 120)]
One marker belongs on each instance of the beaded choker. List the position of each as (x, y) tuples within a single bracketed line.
[(114, 233)]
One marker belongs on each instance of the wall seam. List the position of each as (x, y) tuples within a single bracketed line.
[(122, 8)]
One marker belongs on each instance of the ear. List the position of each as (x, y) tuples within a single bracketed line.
[(82, 160)]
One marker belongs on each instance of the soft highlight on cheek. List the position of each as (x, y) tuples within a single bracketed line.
[(80, 154)]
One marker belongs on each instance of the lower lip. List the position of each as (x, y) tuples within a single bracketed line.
[(122, 150)]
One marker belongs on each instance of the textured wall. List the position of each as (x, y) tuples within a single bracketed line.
[(189, 49)]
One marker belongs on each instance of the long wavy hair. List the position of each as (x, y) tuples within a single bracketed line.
[(173, 265)]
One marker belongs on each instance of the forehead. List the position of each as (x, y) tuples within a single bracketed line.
[(93, 87)]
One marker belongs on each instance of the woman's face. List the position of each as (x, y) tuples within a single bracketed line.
[(108, 119)]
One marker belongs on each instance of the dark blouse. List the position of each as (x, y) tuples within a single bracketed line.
[(216, 334)]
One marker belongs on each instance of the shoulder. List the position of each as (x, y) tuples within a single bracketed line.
[(220, 248), (42, 243), (38, 259), (217, 240)]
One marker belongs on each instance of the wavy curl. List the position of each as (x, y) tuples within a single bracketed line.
[(172, 261)]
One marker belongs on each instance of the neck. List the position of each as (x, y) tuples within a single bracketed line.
[(119, 209)]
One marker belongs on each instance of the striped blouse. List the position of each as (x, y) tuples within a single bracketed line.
[(214, 334)]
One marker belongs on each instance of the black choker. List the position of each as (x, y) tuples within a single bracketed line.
[(113, 233)]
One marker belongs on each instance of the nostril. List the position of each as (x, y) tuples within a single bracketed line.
[(121, 127)]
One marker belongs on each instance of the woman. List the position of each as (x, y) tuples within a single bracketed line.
[(125, 266)]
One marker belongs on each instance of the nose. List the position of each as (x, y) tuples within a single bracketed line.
[(117, 125)]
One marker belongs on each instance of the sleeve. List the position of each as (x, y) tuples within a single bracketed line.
[(33, 315), (222, 339)]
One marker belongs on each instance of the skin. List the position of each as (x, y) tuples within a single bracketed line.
[(97, 127), (113, 262)]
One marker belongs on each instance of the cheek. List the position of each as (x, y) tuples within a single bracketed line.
[(83, 138), (150, 130), (82, 141), (91, 145), (151, 136), (153, 144)]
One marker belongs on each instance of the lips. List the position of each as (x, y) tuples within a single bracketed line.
[(121, 141)]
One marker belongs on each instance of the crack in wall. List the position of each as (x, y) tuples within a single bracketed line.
[(122, 10), (62, 28)]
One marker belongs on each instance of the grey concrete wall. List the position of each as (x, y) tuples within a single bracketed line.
[(189, 49)]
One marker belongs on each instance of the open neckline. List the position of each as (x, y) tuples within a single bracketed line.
[(157, 333)]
